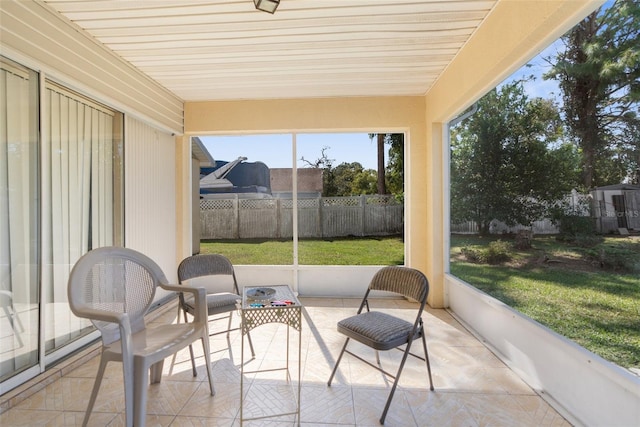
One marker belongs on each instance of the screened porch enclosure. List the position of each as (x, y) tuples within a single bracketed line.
[(165, 86)]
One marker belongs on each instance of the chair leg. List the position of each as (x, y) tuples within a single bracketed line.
[(395, 383), (193, 359), (207, 361), (140, 388), (128, 371), (335, 368), (426, 356), (229, 325), (156, 372), (94, 392), (253, 353)]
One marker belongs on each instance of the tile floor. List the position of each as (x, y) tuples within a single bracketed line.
[(472, 386)]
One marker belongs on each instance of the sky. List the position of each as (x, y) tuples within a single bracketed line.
[(538, 87), (275, 150)]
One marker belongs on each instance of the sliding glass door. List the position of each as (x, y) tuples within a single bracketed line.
[(61, 195), (19, 207)]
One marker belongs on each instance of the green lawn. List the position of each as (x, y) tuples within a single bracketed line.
[(337, 251), (554, 284)]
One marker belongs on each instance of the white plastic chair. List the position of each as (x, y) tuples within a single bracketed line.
[(114, 287)]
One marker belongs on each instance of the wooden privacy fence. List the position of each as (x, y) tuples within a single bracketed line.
[(323, 217)]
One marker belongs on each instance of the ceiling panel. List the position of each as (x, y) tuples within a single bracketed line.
[(225, 49)]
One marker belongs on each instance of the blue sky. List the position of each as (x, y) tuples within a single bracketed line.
[(275, 150), (539, 88), (538, 66)]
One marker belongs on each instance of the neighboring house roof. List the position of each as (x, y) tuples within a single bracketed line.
[(309, 180), (200, 152), (618, 187)]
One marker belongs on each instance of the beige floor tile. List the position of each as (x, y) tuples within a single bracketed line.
[(369, 403), (541, 412), (268, 399), (327, 317), (327, 405), (499, 410), (275, 422), (473, 387), (313, 303), (439, 409), (23, 417), (169, 397), (202, 421), (224, 405)]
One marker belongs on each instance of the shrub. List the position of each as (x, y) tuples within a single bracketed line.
[(471, 254), (495, 252), (587, 241), (617, 258), (572, 226)]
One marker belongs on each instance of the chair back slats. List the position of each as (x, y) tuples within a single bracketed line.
[(115, 280), (405, 281), (204, 265)]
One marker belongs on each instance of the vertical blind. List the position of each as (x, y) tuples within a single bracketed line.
[(78, 135)]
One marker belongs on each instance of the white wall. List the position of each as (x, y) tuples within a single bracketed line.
[(310, 280), (150, 195), (593, 391)]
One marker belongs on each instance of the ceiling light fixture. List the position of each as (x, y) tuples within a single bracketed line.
[(267, 5)]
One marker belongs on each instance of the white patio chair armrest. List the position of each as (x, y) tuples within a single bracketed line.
[(200, 299), (102, 315)]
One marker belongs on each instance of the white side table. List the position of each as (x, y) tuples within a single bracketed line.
[(281, 307)]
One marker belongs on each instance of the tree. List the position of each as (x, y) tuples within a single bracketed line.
[(599, 76), (346, 179), (501, 165), (391, 178), (395, 165), (352, 179), (381, 178), (326, 164), (381, 184)]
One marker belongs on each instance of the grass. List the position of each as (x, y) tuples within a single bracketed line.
[(337, 251), (564, 288), (560, 285)]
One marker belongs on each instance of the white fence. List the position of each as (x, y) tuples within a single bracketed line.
[(323, 217), (576, 203), (328, 217), (546, 226)]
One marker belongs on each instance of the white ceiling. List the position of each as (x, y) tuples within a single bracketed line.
[(226, 49)]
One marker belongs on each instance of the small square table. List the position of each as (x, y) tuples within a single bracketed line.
[(280, 307)]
